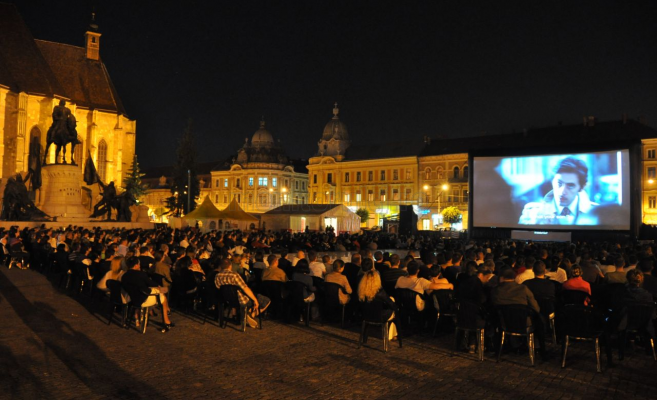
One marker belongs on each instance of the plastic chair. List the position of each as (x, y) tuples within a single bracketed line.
[(332, 298), (228, 297), (468, 320), (274, 291), (116, 300), (580, 323), (447, 307), (547, 306), (574, 297), (515, 321), (638, 316), (406, 298), (373, 314), (297, 300)]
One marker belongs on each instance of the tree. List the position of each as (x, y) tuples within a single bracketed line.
[(363, 214), (452, 215), (184, 169), (133, 183)]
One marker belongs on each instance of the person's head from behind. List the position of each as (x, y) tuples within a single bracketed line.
[(507, 274), (570, 178), (539, 268), (132, 263), (338, 266), (367, 265), (645, 266), (369, 286), (312, 256), (355, 258), (412, 268), (225, 264), (471, 268), (394, 261), (484, 274), (619, 262), (635, 278), (302, 266), (272, 260), (378, 256), (326, 259)]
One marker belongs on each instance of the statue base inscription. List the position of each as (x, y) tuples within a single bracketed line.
[(61, 193)]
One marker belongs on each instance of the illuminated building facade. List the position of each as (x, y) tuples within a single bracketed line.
[(261, 177), (34, 76)]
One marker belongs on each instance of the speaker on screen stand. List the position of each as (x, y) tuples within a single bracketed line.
[(407, 220)]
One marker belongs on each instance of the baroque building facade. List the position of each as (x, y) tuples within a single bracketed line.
[(261, 176), (34, 76)]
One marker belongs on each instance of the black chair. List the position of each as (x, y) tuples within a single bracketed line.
[(469, 320), (229, 299), (580, 322), (406, 299), (373, 314), (636, 320), (143, 311), (446, 306), (547, 306), (296, 298), (274, 291), (574, 297), (116, 300), (515, 321), (332, 299)]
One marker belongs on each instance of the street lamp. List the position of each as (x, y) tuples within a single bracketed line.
[(444, 187)]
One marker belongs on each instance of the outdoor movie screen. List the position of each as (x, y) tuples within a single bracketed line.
[(567, 191)]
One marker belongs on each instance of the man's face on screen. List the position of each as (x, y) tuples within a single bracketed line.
[(565, 187)]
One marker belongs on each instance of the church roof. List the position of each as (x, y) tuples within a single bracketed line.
[(335, 129), (51, 69)]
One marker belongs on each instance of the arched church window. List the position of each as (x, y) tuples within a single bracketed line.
[(456, 172), (102, 160)]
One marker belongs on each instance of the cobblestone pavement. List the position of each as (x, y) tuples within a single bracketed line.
[(52, 346)]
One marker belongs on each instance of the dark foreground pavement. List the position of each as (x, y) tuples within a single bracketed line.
[(52, 346)]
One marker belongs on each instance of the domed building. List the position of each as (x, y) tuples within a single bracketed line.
[(335, 139), (261, 176)]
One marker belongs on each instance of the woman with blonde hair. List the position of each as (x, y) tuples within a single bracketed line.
[(370, 290), (114, 273)]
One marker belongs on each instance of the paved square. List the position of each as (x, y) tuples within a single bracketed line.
[(52, 346)]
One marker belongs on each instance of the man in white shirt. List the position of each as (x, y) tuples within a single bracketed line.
[(419, 285), (317, 268)]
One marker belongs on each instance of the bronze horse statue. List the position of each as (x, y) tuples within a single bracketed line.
[(62, 132)]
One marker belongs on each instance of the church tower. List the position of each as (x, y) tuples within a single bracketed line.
[(92, 37), (335, 139)]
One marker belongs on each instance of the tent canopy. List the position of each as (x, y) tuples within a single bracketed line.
[(206, 210), (234, 212)]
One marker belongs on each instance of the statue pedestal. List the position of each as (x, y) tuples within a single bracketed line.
[(61, 193)]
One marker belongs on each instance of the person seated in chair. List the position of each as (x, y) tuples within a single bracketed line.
[(143, 291), (419, 285), (336, 277), (369, 290), (257, 303), (273, 273)]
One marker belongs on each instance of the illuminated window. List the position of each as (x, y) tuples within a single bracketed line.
[(383, 175), (407, 195), (408, 174), (427, 174), (274, 182), (358, 176), (382, 195), (651, 153), (358, 196), (652, 202), (251, 181), (262, 181), (651, 172), (395, 175), (395, 194), (346, 176), (370, 195), (225, 183), (102, 160), (347, 197)]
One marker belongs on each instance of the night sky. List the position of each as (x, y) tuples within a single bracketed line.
[(398, 69)]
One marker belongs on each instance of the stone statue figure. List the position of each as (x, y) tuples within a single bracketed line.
[(104, 206), (110, 200), (62, 132), (16, 203)]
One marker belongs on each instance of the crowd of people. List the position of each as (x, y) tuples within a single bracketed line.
[(167, 264)]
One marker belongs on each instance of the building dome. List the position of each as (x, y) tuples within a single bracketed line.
[(335, 129), (262, 137)]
